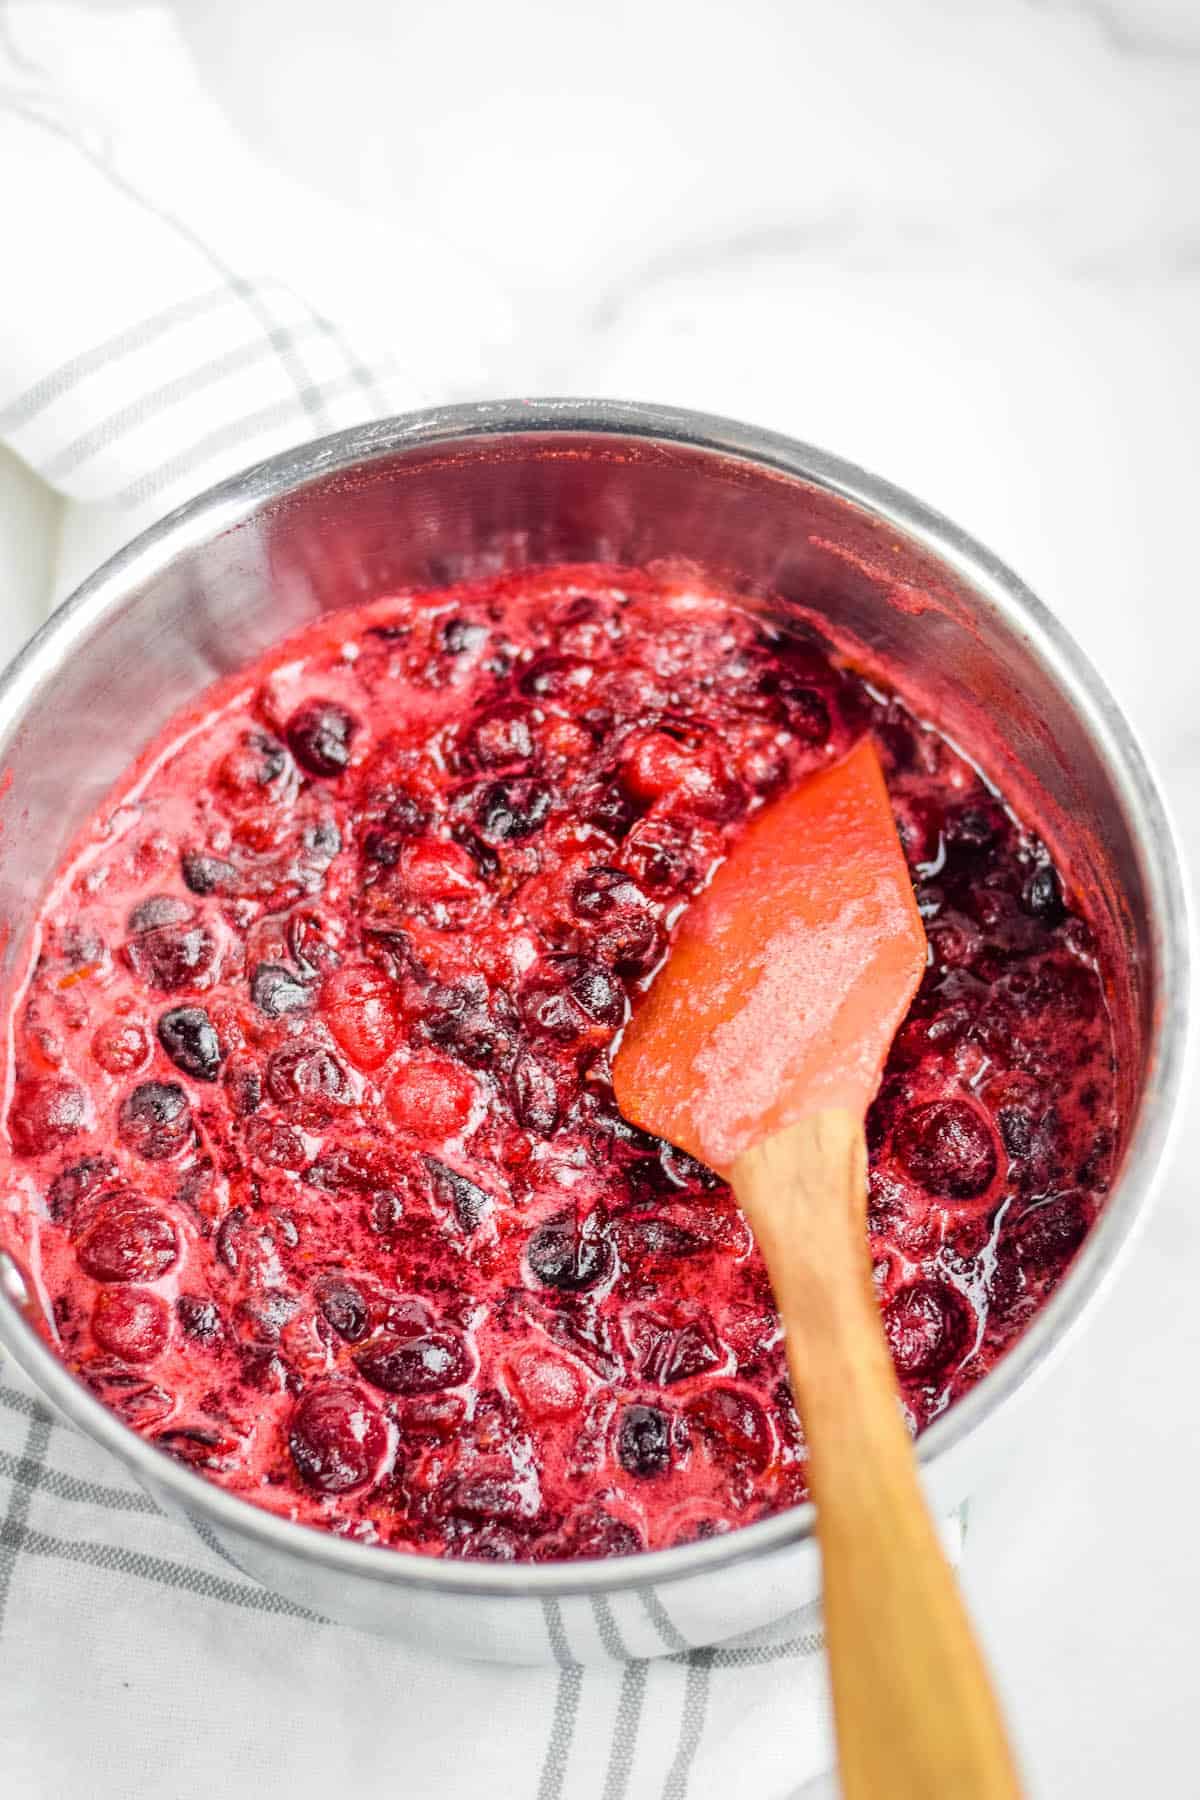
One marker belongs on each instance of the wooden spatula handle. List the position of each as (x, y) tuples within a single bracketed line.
[(915, 1713)]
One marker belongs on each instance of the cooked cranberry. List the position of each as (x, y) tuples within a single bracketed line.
[(499, 738), (571, 996), (948, 1147), (547, 1386), (568, 1256), (243, 1084), (187, 1035), (343, 1307), (121, 1046), (469, 1202), (459, 1018), (45, 1112), (131, 1323), (319, 735), (257, 765), (309, 1081), (274, 1144), (199, 1318), (612, 809), (930, 1328), (976, 826), (459, 635), (535, 1097), (127, 1239), (167, 947), (689, 1352), (421, 1365), (596, 1533), (337, 1438), (432, 1096), (276, 991), (205, 874), (557, 678), (1047, 1236), (1041, 895), (735, 1423), (75, 1183), (361, 1007), (155, 1120), (507, 810), (644, 1441)]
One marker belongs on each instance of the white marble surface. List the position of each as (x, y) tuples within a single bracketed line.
[(961, 245)]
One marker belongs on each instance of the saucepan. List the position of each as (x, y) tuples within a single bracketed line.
[(437, 497)]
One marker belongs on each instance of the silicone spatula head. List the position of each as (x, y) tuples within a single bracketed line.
[(789, 976)]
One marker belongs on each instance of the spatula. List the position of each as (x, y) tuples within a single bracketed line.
[(758, 1049)]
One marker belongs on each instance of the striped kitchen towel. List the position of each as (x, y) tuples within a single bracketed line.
[(172, 311)]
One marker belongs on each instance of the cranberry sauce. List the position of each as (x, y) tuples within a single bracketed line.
[(312, 1153)]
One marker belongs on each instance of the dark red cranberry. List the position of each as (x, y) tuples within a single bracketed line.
[(75, 1183), (948, 1147), (975, 826), (205, 874), (256, 766), (644, 1441), (1016, 1130), (167, 947), (319, 735), (596, 1533), (689, 1352), (499, 738), (189, 1038), (569, 1257), (274, 1144), (343, 1307), (131, 1323), (199, 1318), (155, 1120), (556, 678), (45, 1112), (534, 1092), (127, 1239), (469, 1202), (612, 809), (505, 811), (309, 1081), (628, 936), (570, 996), (1041, 895), (1046, 1237), (337, 1438), (458, 1017), (422, 1365), (276, 990), (243, 1084), (930, 1328), (460, 636), (734, 1423)]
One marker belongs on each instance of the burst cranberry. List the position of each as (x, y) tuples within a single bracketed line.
[(319, 735), (343, 1307), (121, 1046), (948, 1147), (131, 1323), (1047, 1236), (127, 1239), (500, 738), (535, 1096), (155, 1120), (571, 998), (422, 1365), (45, 1113), (361, 1008), (930, 1328), (337, 1438), (309, 1081), (167, 947), (568, 1256), (255, 769), (75, 1183), (735, 1424), (433, 1096)]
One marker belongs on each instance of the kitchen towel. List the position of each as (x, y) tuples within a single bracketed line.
[(173, 311)]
